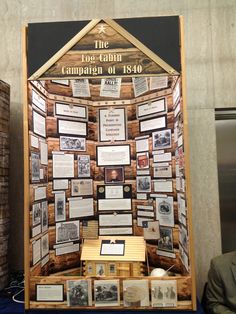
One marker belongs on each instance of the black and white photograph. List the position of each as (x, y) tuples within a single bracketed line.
[(107, 292), (44, 212), (79, 293), (60, 206), (83, 165), (67, 231), (165, 242), (114, 175), (161, 139), (143, 184), (73, 143), (164, 293), (81, 187), (165, 211), (44, 245), (100, 269), (36, 214), (35, 167)]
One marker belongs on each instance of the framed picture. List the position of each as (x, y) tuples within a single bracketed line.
[(164, 293), (135, 293), (36, 214), (113, 155), (153, 124), (142, 161), (83, 165), (44, 217), (73, 143), (44, 245), (107, 292), (39, 124), (60, 206), (35, 167), (112, 124), (71, 127), (165, 211), (67, 231), (114, 175), (79, 292), (152, 108), (81, 187), (143, 184), (100, 269), (38, 101), (79, 207), (161, 139), (165, 243), (71, 110)]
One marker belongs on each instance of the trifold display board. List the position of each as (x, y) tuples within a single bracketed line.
[(106, 189)]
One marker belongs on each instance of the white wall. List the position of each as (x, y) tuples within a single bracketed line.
[(210, 41)]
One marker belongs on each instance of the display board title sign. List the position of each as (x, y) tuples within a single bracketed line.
[(104, 49)]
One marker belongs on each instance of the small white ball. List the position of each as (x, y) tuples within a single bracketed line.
[(158, 272)]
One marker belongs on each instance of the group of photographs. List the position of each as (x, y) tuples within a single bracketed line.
[(112, 293)]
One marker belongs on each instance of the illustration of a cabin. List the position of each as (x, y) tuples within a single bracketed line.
[(129, 264)]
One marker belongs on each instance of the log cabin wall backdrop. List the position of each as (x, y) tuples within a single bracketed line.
[(106, 157)]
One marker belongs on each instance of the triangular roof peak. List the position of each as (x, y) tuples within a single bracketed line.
[(103, 48)]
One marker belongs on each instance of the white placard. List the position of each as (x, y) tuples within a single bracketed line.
[(166, 254), (114, 204), (116, 231), (113, 155), (110, 87), (67, 231), (141, 196), (39, 124), (38, 101), (43, 153), (61, 82), (52, 293), (80, 207), (144, 213), (40, 193), (112, 249), (41, 174), (72, 127), (34, 141), (36, 250), (36, 230), (164, 293), (112, 124), (115, 220), (152, 108), (162, 157), (153, 124), (63, 165), (158, 82), (68, 249), (163, 186), (70, 110), (80, 88), (114, 191), (142, 145), (60, 184), (140, 85)]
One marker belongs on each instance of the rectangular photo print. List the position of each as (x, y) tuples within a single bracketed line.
[(161, 139), (164, 293), (135, 293), (114, 175), (83, 165), (79, 293), (80, 187), (67, 231), (143, 184), (165, 243), (106, 292), (73, 143)]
